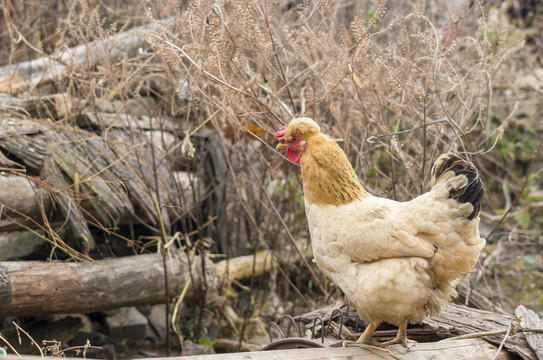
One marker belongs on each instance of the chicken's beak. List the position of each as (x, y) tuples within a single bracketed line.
[(281, 146)]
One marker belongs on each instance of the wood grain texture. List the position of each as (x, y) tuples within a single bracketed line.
[(29, 288), (474, 349)]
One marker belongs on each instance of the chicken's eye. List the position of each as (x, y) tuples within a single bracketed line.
[(295, 139)]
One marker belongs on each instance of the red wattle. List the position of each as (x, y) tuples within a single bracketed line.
[(293, 156)]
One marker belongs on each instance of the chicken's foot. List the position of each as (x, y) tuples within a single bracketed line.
[(365, 338), (365, 341), (401, 337), (371, 347)]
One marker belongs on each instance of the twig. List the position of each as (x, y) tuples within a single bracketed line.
[(78, 348), (30, 337), (205, 72), (283, 75), (491, 333), (502, 343), (8, 344), (373, 139)]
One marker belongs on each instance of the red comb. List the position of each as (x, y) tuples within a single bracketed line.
[(280, 134)]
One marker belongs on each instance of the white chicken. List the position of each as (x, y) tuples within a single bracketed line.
[(396, 262)]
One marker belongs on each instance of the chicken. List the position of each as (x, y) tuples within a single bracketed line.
[(396, 262)]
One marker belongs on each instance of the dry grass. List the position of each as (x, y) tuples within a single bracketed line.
[(396, 84)]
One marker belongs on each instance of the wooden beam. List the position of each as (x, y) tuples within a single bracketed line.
[(474, 349)]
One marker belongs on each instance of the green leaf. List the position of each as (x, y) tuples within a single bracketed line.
[(529, 260), (205, 341), (523, 219)]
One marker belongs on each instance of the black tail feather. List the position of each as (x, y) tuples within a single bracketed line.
[(473, 192)]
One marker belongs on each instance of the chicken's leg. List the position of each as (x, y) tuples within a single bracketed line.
[(365, 338), (401, 337)]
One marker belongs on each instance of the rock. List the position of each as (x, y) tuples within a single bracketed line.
[(196, 349), (16, 244), (126, 323), (157, 320)]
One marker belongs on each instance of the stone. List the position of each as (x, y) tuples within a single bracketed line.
[(126, 323)]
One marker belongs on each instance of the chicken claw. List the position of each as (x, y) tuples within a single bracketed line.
[(401, 337), (371, 347)]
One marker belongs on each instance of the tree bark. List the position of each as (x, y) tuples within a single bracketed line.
[(461, 320), (22, 202), (31, 288), (34, 288)]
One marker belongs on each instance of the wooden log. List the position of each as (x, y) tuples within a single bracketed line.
[(22, 199), (54, 106), (473, 349), (30, 288), (243, 267), (27, 75)]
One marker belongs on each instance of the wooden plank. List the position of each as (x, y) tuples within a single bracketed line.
[(529, 319), (474, 349), (461, 320), (454, 320)]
